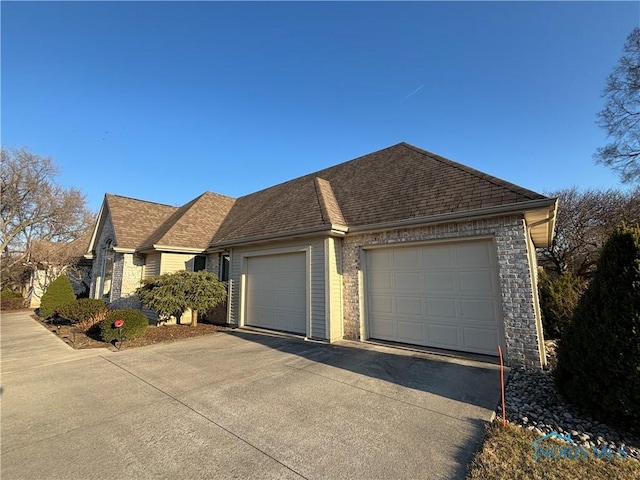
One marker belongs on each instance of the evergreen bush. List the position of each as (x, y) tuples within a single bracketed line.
[(84, 312), (135, 325), (599, 352), (59, 292), (10, 300), (559, 297)]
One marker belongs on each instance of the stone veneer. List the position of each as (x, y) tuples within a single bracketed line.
[(127, 273), (514, 273)]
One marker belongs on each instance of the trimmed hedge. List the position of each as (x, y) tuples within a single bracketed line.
[(85, 312), (59, 292), (599, 353), (10, 300), (135, 324)]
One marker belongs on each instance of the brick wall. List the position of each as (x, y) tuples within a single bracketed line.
[(513, 270)]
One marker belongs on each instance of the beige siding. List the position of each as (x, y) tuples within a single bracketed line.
[(333, 261), (316, 279), (172, 262), (152, 265)]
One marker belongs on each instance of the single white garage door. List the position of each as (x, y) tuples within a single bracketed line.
[(276, 293), (440, 295)]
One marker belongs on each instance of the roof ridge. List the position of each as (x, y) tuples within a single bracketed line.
[(139, 200), (477, 173), (329, 206)]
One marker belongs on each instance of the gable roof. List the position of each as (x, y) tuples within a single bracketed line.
[(398, 183), (193, 225), (44, 251)]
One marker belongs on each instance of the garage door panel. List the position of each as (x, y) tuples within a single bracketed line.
[(381, 304), (408, 281), (441, 335), (276, 292), (478, 311), (381, 261), (441, 282), (407, 258), (410, 306), (479, 282), (474, 254), (437, 256), (381, 281), (410, 330), (385, 328), (480, 340), (443, 295), (441, 307)]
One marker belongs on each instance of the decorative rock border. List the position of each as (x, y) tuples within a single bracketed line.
[(533, 402)]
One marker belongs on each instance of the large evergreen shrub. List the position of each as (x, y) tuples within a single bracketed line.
[(172, 294), (599, 353), (84, 312), (135, 325), (59, 292), (559, 297)]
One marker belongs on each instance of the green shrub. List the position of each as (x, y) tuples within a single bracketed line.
[(559, 297), (172, 294), (10, 300), (135, 324), (84, 312), (59, 292), (9, 294), (599, 352)]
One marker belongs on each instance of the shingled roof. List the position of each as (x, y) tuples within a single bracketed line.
[(398, 183), (141, 225), (134, 221), (193, 225)]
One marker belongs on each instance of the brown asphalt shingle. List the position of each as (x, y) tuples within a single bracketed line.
[(135, 220), (193, 225), (397, 183)]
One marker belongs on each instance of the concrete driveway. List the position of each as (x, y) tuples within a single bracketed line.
[(236, 405)]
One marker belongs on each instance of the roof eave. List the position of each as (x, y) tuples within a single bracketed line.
[(333, 230), (512, 208)]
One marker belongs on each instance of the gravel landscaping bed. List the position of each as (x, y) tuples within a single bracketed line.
[(533, 402)]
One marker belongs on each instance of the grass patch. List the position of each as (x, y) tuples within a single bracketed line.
[(507, 453)]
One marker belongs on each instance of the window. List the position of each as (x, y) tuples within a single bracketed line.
[(107, 272), (199, 263), (224, 268)]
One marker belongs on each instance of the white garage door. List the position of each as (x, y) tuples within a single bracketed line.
[(443, 295), (276, 293)]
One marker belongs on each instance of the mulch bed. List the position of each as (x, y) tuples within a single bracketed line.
[(154, 334)]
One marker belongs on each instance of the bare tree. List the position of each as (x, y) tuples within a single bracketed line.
[(620, 117), (35, 208), (585, 220)]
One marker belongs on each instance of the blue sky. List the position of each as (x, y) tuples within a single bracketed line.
[(163, 101)]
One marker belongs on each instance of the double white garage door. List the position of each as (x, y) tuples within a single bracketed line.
[(440, 295)]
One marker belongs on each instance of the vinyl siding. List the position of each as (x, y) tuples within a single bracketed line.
[(316, 279), (334, 296), (152, 265), (172, 262)]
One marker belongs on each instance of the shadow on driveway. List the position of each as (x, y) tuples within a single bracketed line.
[(465, 381)]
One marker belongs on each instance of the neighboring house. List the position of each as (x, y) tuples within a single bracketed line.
[(49, 260), (400, 245)]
